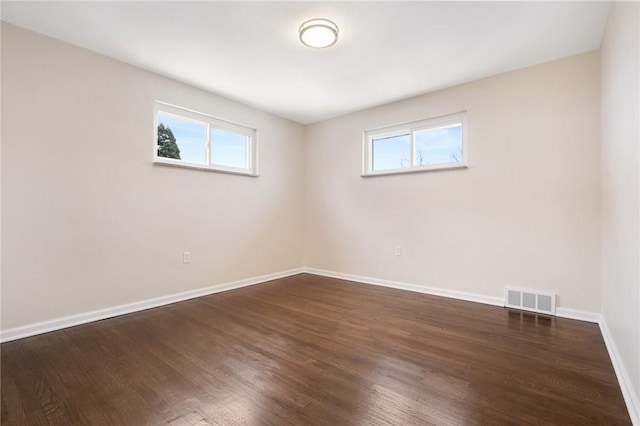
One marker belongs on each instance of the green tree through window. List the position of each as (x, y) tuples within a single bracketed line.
[(167, 146)]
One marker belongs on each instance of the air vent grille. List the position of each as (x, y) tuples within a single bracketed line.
[(531, 300)]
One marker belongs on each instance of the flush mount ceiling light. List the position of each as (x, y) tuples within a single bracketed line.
[(318, 33)]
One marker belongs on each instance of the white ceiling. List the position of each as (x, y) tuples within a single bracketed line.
[(250, 52)]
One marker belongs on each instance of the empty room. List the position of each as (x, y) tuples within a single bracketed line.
[(320, 213)]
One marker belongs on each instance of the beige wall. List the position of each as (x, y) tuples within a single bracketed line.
[(526, 213), (88, 222), (621, 186)]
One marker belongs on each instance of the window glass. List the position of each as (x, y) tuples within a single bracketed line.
[(185, 138), (228, 148), (419, 146), (181, 139), (439, 146), (391, 152)]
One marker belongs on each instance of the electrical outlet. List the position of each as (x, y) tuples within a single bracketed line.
[(186, 257), (398, 251)]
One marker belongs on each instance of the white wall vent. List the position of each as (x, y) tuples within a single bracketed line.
[(529, 300)]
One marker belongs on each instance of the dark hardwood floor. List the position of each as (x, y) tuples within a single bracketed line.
[(308, 350)]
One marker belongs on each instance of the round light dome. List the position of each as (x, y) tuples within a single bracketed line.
[(318, 33)]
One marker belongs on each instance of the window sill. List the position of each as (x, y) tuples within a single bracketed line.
[(203, 167), (415, 170)]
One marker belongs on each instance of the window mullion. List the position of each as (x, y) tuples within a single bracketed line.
[(412, 143), (370, 153), (247, 151), (207, 145)]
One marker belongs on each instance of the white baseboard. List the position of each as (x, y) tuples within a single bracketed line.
[(626, 385), (69, 321), (436, 291), (578, 315), (470, 297), (630, 398)]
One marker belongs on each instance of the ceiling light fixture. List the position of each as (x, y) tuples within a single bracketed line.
[(318, 33)]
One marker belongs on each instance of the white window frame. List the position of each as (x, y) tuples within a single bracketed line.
[(411, 128), (210, 122)]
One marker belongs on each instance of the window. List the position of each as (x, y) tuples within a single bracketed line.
[(190, 139), (432, 144)]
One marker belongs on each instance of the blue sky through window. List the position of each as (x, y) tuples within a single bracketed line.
[(392, 152), (439, 146), (190, 137), (227, 148)]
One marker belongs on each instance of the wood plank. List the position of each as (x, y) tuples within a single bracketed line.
[(309, 350)]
